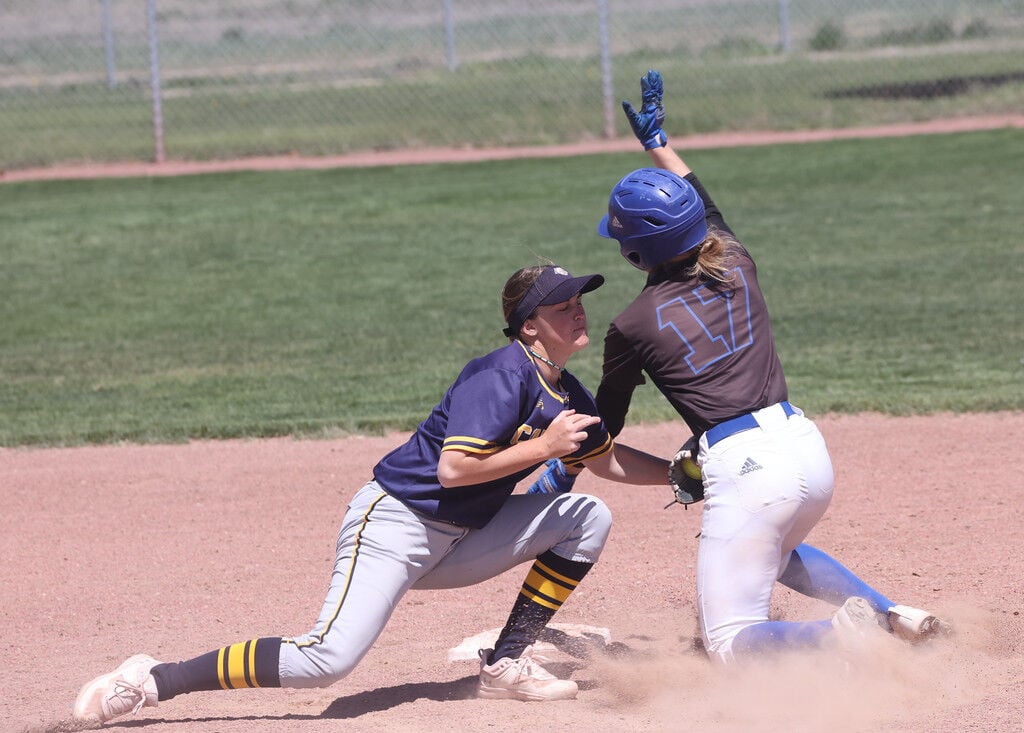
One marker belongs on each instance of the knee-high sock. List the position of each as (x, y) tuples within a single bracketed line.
[(547, 586), (818, 575), (252, 663), (777, 635)]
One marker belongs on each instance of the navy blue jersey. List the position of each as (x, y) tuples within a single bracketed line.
[(498, 400), (707, 347)]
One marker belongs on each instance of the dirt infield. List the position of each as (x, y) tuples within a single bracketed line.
[(175, 550), (178, 550), (173, 167)]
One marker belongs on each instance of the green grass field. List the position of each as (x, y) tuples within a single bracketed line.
[(322, 302)]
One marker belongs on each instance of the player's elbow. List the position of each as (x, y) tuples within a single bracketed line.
[(449, 471), (603, 467)]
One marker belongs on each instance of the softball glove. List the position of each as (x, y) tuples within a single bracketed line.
[(684, 476)]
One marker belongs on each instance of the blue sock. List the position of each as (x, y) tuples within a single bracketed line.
[(776, 635), (813, 573)]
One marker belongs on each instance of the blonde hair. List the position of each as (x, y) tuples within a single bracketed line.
[(715, 258)]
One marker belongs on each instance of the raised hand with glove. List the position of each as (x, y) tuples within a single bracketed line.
[(648, 121)]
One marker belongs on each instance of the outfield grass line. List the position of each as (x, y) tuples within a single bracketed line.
[(422, 156)]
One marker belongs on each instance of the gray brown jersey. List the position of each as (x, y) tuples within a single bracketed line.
[(707, 347)]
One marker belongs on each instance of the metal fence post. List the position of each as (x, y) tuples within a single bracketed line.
[(154, 83), (283, 77), (606, 68), (449, 35), (784, 42), (108, 45)]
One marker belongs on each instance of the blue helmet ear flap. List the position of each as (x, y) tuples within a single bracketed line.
[(655, 215)]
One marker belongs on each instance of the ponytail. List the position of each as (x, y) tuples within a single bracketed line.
[(715, 258)]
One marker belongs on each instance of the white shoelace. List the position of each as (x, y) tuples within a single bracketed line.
[(529, 668), (126, 696)]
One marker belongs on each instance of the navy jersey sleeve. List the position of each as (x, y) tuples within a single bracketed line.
[(496, 402), (599, 438), (484, 413)]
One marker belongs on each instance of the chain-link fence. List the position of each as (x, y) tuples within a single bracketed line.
[(141, 79)]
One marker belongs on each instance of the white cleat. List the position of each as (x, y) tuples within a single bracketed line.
[(521, 679), (127, 689), (856, 615), (858, 626), (915, 625)]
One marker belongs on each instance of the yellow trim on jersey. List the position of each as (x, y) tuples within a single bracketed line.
[(600, 450), (468, 444), (560, 396)]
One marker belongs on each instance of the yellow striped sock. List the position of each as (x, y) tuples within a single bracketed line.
[(547, 587), (236, 665)]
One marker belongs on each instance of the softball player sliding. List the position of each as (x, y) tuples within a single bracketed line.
[(700, 330), (440, 513)]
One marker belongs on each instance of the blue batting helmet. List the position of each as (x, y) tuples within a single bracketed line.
[(655, 215)]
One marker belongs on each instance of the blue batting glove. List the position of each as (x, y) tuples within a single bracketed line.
[(554, 480), (648, 121)]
